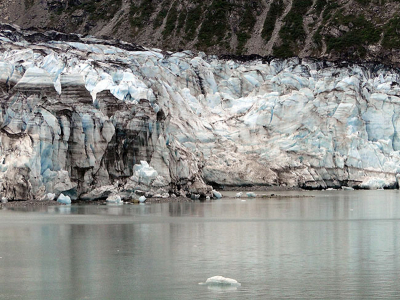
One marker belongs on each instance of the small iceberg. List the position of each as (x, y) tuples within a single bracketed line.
[(220, 282), (64, 199), (216, 194), (238, 195), (347, 188), (114, 200), (251, 195)]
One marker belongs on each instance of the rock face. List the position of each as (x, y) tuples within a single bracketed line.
[(77, 116), (334, 30)]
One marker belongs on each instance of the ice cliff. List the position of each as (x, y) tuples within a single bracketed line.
[(79, 115)]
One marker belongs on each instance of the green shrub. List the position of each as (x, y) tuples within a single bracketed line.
[(193, 21), (181, 20), (361, 34), (292, 32), (391, 38), (171, 21), (158, 21), (283, 51), (320, 4), (140, 15), (246, 26), (215, 24), (275, 11)]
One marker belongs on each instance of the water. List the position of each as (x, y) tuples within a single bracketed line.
[(337, 245)]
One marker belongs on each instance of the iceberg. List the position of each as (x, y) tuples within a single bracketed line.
[(64, 199), (216, 194), (114, 199), (251, 195), (220, 282)]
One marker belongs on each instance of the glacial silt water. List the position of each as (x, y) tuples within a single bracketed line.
[(335, 245)]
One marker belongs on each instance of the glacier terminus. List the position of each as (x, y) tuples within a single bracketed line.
[(87, 118)]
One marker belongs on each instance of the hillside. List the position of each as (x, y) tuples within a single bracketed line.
[(344, 29)]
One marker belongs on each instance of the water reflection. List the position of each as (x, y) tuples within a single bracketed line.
[(333, 246)]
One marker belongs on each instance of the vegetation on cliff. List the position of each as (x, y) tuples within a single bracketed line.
[(342, 29)]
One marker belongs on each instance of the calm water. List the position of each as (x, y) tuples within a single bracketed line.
[(337, 245)]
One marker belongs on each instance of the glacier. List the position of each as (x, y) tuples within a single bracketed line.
[(90, 118)]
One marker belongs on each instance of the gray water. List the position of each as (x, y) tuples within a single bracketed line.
[(337, 245)]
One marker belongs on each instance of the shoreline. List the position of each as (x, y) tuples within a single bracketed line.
[(259, 188), (177, 199)]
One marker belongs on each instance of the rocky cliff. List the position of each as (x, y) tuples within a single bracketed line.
[(78, 115), (335, 30)]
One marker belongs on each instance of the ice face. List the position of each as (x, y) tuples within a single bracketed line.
[(80, 116)]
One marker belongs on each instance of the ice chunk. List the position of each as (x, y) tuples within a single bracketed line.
[(146, 174), (374, 183), (221, 281), (195, 196), (49, 197), (64, 199), (217, 195), (347, 188), (142, 199), (114, 199), (251, 195), (238, 195)]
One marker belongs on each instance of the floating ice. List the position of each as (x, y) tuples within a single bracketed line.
[(251, 195), (238, 195), (217, 195), (64, 199), (220, 281), (114, 199), (347, 188), (142, 199), (195, 197)]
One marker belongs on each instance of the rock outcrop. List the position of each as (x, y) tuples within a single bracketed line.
[(342, 29), (79, 117)]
